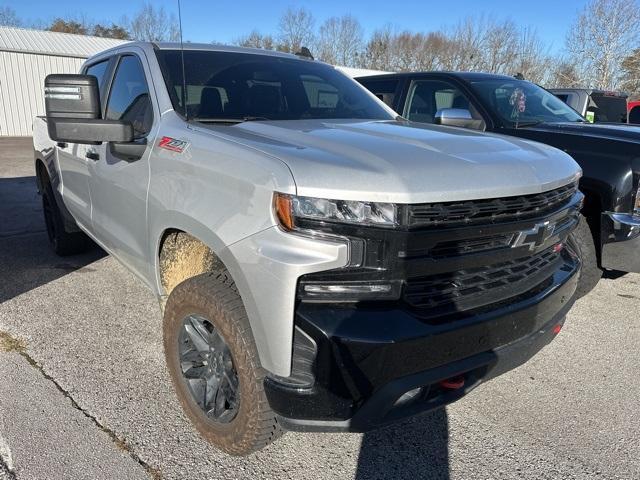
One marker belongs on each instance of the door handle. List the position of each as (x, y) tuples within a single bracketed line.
[(92, 155), (61, 144)]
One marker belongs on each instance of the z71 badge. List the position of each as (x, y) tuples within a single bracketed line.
[(172, 144)]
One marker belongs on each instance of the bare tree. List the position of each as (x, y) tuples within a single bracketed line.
[(256, 40), (600, 39), (296, 30), (631, 73), (9, 17), (340, 40), (378, 53), (500, 44), (564, 74), (533, 59), (153, 24), (464, 50)]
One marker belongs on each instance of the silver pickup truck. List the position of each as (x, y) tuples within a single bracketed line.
[(321, 263)]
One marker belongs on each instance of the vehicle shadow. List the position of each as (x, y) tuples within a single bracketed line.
[(26, 259), (414, 449), (20, 206)]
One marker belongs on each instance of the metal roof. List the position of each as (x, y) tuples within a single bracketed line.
[(53, 43)]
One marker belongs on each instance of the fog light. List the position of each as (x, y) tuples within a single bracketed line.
[(349, 291), (324, 289), (407, 397)]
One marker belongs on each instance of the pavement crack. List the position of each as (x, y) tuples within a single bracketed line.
[(9, 343)]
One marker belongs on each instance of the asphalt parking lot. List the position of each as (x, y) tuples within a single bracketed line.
[(84, 391)]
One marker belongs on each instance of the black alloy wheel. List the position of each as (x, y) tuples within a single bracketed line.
[(208, 369)]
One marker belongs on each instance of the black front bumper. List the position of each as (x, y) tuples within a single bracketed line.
[(621, 241), (367, 356)]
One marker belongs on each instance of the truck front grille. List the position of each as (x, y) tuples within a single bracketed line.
[(463, 259), (488, 211), (471, 288)]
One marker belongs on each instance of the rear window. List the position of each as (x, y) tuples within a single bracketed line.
[(385, 90), (608, 108), (236, 86)]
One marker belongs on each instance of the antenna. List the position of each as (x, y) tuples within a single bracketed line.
[(184, 78)]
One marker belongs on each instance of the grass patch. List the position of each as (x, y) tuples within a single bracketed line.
[(9, 343)]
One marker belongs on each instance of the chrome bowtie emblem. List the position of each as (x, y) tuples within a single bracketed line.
[(535, 237)]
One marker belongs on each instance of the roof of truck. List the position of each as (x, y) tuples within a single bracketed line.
[(469, 76), (206, 47), (591, 91)]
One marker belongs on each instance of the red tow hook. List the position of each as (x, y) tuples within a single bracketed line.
[(453, 383)]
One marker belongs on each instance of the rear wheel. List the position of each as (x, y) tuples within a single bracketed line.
[(582, 240), (214, 366), (64, 243)]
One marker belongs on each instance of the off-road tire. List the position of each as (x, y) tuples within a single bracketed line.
[(581, 240), (63, 242), (214, 297)]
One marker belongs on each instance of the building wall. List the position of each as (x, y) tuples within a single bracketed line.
[(22, 87)]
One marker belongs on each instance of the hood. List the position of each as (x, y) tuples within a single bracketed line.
[(610, 131), (402, 162)]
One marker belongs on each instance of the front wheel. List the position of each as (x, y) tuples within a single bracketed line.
[(582, 240), (214, 366)]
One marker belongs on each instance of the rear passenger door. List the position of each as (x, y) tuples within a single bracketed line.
[(118, 182)]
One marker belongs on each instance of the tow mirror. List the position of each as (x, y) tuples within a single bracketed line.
[(457, 117), (72, 104)]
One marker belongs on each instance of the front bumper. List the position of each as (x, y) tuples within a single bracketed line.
[(368, 356), (621, 246)]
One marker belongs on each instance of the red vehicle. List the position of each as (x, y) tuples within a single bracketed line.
[(633, 109)]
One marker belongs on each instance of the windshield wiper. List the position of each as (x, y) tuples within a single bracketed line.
[(229, 120), (528, 124)]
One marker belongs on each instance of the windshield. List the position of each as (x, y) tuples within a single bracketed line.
[(521, 103), (230, 86)]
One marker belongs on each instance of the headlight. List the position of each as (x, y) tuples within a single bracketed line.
[(291, 208), (315, 216)]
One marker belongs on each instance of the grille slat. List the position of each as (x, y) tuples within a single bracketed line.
[(488, 211), (465, 289)]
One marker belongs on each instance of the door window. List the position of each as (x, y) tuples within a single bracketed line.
[(129, 96), (98, 70), (426, 97)]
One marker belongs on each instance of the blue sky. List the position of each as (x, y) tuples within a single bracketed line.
[(223, 21)]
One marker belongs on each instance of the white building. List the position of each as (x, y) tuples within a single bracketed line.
[(26, 58)]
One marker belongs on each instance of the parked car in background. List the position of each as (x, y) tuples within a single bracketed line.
[(322, 265), (609, 234), (597, 106), (633, 109)]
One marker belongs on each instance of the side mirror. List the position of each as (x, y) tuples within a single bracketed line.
[(457, 117), (72, 104)]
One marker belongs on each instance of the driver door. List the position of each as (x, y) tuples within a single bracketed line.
[(74, 164), (428, 97), (118, 182)]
